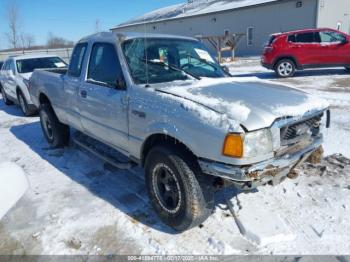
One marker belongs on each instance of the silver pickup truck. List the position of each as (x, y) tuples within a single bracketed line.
[(167, 105)]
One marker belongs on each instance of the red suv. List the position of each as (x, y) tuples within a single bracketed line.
[(287, 52)]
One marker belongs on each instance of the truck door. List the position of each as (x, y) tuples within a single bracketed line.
[(72, 82), (103, 97)]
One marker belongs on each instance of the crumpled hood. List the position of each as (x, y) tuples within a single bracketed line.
[(252, 102)]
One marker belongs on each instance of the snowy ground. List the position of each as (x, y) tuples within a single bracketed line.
[(78, 205)]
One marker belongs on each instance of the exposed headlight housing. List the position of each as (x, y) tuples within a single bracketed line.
[(252, 144), (258, 143)]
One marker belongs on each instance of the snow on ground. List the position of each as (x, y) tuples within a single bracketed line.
[(13, 184), (78, 205)]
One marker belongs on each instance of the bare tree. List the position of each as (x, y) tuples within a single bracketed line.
[(13, 23), (58, 42), (27, 40)]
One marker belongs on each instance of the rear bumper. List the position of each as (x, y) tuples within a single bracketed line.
[(272, 171), (266, 65)]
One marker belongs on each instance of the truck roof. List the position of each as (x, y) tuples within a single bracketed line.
[(111, 36)]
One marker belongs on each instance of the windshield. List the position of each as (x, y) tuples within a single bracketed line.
[(29, 65), (155, 60)]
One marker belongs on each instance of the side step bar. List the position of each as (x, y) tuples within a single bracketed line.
[(103, 156)]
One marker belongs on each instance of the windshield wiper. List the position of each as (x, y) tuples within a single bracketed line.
[(213, 65), (175, 68)]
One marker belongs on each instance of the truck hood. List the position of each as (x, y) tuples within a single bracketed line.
[(254, 103)]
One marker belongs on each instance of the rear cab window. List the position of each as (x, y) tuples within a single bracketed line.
[(77, 59)]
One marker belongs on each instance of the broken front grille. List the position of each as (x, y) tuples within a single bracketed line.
[(305, 129)]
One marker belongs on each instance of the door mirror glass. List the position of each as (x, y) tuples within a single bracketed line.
[(120, 84), (226, 70)]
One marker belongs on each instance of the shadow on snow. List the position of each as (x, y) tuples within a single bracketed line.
[(124, 189)]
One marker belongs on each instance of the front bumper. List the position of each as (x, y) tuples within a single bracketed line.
[(272, 171)]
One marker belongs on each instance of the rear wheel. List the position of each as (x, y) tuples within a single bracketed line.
[(285, 68), (181, 195), (4, 97), (56, 133)]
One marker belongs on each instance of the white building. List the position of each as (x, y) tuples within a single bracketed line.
[(256, 18)]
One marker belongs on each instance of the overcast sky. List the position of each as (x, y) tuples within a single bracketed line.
[(73, 19)]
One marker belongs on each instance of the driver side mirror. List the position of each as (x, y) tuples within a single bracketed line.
[(120, 83), (345, 41), (226, 70)]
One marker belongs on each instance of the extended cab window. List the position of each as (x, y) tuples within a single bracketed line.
[(77, 59), (306, 37), (104, 65)]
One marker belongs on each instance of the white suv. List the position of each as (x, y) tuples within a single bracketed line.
[(15, 74)]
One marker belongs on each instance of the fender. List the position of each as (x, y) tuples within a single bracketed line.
[(298, 65)]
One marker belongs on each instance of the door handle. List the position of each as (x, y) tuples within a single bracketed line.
[(83, 93)]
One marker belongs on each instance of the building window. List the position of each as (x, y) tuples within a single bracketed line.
[(250, 36)]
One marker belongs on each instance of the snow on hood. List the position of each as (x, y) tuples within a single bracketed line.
[(13, 184), (249, 101)]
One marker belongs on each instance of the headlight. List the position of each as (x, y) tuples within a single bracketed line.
[(257, 143)]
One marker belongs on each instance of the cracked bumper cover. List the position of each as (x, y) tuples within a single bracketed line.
[(270, 171)]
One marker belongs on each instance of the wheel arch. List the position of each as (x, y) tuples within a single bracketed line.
[(163, 139), (290, 57), (43, 99)]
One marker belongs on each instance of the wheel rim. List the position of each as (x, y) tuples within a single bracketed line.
[(167, 188), (285, 69), (47, 125), (22, 104)]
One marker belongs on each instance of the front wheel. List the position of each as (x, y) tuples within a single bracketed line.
[(285, 68), (181, 195), (56, 133), (23, 104)]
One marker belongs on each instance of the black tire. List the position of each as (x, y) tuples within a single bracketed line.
[(4, 97), (347, 69), (285, 68), (56, 133), (23, 104), (192, 197)]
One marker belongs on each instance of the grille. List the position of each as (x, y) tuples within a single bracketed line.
[(307, 128)]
